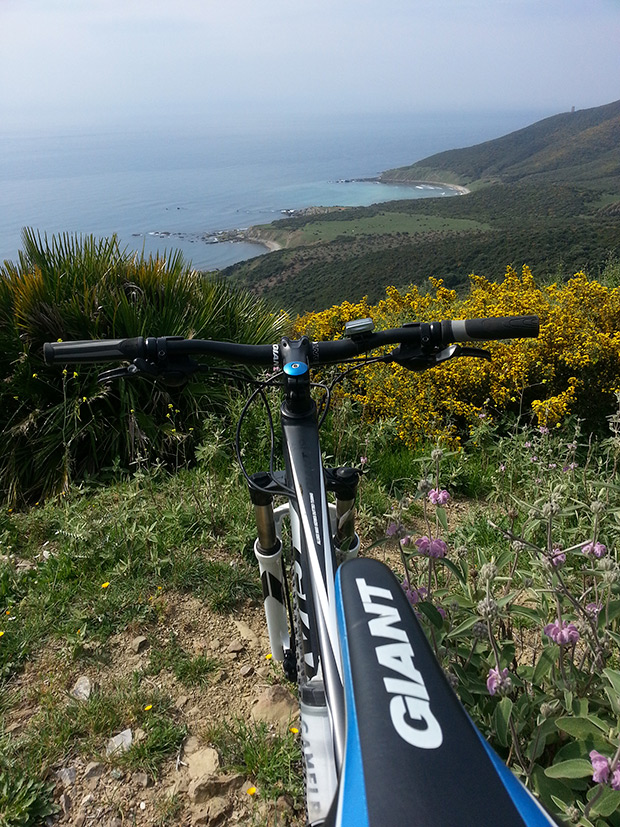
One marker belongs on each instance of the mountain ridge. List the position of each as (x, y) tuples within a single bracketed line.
[(547, 195), (582, 144)]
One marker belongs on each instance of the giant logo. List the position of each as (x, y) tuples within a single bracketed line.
[(406, 692)]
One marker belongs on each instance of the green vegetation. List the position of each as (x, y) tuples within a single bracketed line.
[(24, 802), (554, 705), (548, 195), (378, 223), (574, 147), (61, 425), (272, 760), (187, 669)]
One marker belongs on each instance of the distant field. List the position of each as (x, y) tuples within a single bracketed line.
[(384, 223)]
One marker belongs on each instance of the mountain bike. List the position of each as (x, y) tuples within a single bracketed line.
[(385, 740)]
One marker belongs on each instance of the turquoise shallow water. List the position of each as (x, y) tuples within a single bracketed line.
[(165, 190)]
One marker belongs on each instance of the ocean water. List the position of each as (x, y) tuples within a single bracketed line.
[(165, 189)]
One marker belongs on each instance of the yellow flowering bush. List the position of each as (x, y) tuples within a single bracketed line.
[(572, 367)]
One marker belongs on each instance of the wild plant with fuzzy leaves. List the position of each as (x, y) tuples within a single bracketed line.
[(523, 611)]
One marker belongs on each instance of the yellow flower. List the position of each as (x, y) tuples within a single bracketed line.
[(294, 730), (35, 375), (252, 790), (269, 656), (579, 335), (148, 707), (105, 585), (1, 633)]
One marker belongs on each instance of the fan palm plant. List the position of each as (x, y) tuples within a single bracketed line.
[(60, 424)]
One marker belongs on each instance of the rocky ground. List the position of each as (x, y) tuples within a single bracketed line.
[(191, 788)]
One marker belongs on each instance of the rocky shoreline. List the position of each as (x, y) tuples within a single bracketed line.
[(253, 235)]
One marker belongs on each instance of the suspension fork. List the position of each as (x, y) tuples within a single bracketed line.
[(343, 481), (268, 552)]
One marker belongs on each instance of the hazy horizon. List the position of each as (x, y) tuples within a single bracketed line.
[(198, 64)]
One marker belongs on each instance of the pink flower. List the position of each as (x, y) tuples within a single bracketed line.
[(498, 681), (438, 548), (393, 529), (432, 547), (615, 779), (405, 541), (593, 609), (562, 633), (597, 550), (600, 765), (438, 497), (414, 595), (423, 544), (558, 558)]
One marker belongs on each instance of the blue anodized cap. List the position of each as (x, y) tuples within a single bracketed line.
[(295, 368)]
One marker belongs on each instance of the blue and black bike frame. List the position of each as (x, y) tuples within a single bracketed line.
[(371, 720), (322, 536), (386, 742)]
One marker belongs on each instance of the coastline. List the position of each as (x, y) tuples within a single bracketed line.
[(258, 236), (271, 245), (440, 184)]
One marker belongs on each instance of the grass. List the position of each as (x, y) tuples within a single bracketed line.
[(271, 760), (63, 727), (109, 560), (380, 224), (188, 670)]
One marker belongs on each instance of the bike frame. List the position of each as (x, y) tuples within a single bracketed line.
[(313, 525), (365, 672)]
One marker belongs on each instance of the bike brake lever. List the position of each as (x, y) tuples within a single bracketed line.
[(174, 374), (127, 372), (419, 360), (475, 352)]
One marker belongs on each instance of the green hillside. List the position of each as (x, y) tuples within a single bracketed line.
[(547, 195), (572, 147)]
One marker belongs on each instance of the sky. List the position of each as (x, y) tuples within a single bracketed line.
[(91, 63)]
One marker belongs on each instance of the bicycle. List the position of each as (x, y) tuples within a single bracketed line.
[(377, 713)]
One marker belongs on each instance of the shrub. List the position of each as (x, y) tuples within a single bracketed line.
[(573, 366), (60, 424)]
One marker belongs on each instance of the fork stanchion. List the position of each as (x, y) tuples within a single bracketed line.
[(343, 482), (268, 552)]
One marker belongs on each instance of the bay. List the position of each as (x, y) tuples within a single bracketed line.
[(163, 190)]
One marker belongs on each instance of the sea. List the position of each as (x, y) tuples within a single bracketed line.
[(175, 187)]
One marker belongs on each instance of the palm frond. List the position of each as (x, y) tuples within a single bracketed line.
[(59, 425)]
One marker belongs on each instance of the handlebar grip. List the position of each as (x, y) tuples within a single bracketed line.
[(94, 350), (503, 327)]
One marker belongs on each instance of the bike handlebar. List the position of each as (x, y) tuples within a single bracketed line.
[(433, 334)]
